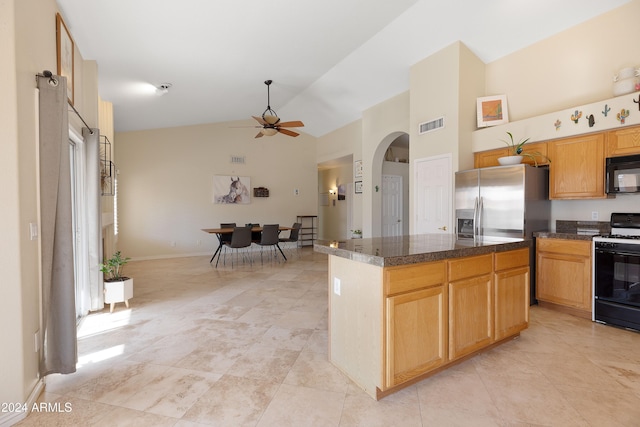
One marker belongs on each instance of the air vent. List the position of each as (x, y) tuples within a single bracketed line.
[(431, 125), (237, 159)]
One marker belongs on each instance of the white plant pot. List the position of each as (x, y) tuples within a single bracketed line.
[(510, 160), (356, 235), (120, 291)]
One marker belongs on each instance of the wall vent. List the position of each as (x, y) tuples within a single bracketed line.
[(431, 125), (237, 159)]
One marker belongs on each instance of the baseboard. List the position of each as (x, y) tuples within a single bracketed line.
[(10, 418)]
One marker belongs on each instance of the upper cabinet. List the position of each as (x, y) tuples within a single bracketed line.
[(577, 167), (623, 142), (538, 150)]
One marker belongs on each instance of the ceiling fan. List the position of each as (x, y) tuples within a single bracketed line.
[(270, 122)]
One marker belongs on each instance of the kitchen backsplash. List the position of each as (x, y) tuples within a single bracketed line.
[(583, 227)]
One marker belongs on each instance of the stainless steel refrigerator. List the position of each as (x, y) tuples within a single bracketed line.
[(503, 202)]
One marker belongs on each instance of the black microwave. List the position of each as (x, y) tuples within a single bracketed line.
[(623, 174)]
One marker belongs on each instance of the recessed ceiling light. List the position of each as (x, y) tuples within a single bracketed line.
[(163, 88)]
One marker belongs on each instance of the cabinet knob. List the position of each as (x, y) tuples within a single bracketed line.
[(443, 228)]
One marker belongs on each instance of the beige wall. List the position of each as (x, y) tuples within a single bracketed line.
[(571, 68), (332, 219), (165, 185), (27, 37), (381, 124), (343, 145)]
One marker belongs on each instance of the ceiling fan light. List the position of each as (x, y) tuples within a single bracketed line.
[(269, 131), (271, 119)]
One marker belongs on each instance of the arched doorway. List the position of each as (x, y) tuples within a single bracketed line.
[(395, 145)]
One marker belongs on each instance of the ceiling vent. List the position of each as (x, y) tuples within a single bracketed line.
[(431, 125), (237, 159)]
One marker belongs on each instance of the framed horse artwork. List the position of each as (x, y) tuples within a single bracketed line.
[(231, 190)]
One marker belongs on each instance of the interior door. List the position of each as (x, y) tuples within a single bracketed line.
[(391, 205), (433, 195)]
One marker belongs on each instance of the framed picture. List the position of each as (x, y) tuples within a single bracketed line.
[(357, 169), (231, 190), (342, 193), (65, 51), (492, 111), (358, 187)]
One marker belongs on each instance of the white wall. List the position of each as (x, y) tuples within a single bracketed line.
[(165, 185)]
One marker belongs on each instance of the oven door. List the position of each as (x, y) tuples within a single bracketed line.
[(617, 285)]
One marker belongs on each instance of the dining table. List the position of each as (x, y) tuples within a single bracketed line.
[(219, 232)]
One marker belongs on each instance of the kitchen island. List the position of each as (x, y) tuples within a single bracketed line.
[(403, 308)]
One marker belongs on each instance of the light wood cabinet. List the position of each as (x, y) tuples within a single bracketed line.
[(623, 142), (415, 321), (577, 167), (511, 292), (470, 304), (563, 275), (485, 159), (392, 326)]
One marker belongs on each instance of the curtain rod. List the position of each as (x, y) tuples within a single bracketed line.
[(49, 74)]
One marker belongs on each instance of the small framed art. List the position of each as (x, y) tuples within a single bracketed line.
[(357, 169), (65, 52), (492, 111)]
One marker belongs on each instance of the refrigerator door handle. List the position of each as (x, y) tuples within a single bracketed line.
[(480, 209), (475, 218)]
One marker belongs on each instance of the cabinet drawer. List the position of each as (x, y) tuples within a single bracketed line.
[(512, 259), (461, 268), (408, 278), (564, 246)]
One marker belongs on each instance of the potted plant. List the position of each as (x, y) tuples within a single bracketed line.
[(356, 234), (117, 288), (516, 152)]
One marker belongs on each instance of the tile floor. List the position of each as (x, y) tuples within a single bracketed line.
[(248, 347)]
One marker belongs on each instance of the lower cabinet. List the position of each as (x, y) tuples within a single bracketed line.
[(470, 304), (415, 321), (511, 292), (437, 312), (563, 275), (416, 334)]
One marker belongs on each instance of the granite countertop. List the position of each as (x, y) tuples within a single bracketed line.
[(575, 230), (412, 249), (566, 236)]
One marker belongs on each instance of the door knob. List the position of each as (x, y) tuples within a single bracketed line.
[(443, 228)]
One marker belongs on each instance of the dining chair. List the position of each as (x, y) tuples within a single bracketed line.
[(224, 238), (240, 239), (269, 237), (255, 235), (293, 236)]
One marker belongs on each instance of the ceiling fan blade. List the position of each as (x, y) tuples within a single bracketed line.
[(288, 132), (259, 135), (260, 120), (293, 124)]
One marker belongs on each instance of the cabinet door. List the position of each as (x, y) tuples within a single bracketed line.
[(623, 142), (471, 315), (415, 334), (564, 279), (511, 301), (485, 159), (577, 167), (539, 152)]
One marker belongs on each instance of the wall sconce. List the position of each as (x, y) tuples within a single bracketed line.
[(332, 191)]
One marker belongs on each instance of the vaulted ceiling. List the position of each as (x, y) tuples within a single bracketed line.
[(329, 60)]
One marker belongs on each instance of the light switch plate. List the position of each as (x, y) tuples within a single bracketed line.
[(336, 286)]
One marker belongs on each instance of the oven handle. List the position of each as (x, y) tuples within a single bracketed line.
[(616, 252)]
